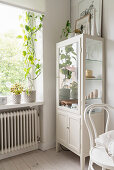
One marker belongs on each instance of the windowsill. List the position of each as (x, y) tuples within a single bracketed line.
[(22, 105)]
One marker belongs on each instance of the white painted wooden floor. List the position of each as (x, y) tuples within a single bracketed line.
[(39, 160)]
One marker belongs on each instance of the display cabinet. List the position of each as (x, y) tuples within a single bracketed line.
[(80, 82)]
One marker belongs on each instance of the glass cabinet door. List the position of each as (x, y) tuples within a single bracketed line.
[(93, 71), (68, 76)]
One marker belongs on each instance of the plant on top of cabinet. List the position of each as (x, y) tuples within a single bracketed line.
[(66, 30)]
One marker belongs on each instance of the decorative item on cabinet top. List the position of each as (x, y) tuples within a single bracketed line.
[(66, 32), (83, 24), (94, 8)]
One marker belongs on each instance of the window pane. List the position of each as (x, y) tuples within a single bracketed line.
[(11, 59)]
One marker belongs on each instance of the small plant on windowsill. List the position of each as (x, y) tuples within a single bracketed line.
[(33, 24), (16, 89)]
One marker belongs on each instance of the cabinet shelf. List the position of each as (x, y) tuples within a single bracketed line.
[(93, 78), (94, 99), (92, 60)]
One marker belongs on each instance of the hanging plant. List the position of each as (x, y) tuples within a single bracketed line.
[(32, 24)]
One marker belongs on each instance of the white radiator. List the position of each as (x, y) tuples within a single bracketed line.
[(19, 132)]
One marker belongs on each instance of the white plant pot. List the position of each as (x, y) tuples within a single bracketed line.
[(70, 35), (30, 97), (3, 100), (16, 98)]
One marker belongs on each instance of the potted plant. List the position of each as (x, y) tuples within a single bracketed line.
[(33, 24), (16, 89), (66, 32), (74, 90), (67, 58), (65, 62)]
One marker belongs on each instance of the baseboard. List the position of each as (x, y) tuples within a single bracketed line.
[(45, 146)]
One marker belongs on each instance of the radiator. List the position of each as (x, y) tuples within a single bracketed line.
[(18, 132)]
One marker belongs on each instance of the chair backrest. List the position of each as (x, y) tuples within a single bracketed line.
[(90, 122)]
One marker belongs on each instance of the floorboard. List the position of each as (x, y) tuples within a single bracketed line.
[(39, 160)]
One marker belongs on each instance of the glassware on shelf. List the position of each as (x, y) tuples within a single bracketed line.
[(93, 60), (93, 72), (93, 95)]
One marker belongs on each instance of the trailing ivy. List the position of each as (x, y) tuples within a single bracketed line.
[(32, 24)]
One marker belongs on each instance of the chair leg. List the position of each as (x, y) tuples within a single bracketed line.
[(90, 167)]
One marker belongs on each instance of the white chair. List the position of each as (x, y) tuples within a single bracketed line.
[(98, 154)]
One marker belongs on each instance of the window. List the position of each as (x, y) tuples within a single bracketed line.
[(12, 61)]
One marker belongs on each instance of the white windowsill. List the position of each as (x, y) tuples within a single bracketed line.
[(22, 105)]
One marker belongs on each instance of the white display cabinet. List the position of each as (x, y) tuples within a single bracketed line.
[(80, 82)]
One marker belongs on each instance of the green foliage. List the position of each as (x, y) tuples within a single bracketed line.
[(66, 30), (17, 89), (66, 61), (19, 36), (11, 62), (33, 24)]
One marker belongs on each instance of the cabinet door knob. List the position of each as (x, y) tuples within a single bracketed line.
[(67, 127)]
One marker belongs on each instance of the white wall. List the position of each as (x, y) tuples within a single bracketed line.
[(56, 15), (108, 34), (74, 13)]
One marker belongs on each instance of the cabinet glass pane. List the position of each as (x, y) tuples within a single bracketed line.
[(93, 72), (68, 73)]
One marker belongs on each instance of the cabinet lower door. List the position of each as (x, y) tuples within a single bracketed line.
[(62, 128), (74, 133)]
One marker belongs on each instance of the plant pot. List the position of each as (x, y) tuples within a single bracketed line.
[(16, 98), (30, 97), (71, 34), (64, 94), (74, 94)]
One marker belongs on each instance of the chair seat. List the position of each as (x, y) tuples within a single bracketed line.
[(100, 157)]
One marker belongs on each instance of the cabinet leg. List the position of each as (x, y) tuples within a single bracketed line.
[(57, 147), (82, 163)]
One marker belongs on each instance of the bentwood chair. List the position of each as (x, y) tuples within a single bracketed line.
[(98, 154)]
